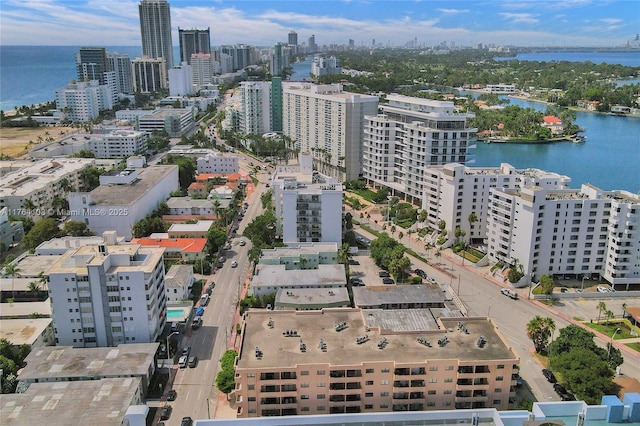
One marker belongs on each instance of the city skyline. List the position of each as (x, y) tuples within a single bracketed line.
[(115, 22)]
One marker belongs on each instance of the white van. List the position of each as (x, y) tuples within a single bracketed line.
[(508, 292), (182, 362)]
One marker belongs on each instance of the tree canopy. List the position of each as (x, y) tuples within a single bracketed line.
[(43, 230)]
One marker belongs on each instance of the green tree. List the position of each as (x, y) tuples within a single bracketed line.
[(90, 178), (573, 336), (601, 308), (76, 228), (186, 169), (585, 373), (216, 238), (384, 249), (547, 284), (44, 230), (539, 330), (12, 270), (225, 380), (344, 256)]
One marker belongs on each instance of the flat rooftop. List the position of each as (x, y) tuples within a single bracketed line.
[(278, 276), (296, 249), (188, 202), (108, 195), (399, 295), (24, 181), (313, 296), (24, 310), (32, 265), (100, 402), (281, 352), (62, 244), (200, 226), (66, 362), (23, 331)]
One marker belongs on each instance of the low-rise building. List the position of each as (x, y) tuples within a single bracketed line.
[(82, 101), (333, 361), (192, 207), (502, 89), (11, 232), (114, 144), (301, 255), (184, 249), (96, 402), (268, 279), (179, 281), (553, 123), (199, 229), (33, 332), (108, 294), (123, 198), (175, 121), (31, 191), (218, 163), (135, 361), (306, 299)]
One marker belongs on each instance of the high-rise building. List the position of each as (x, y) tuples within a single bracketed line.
[(91, 63), (149, 75), (155, 29), (328, 122), (202, 69), (276, 104), (181, 80), (311, 45), (83, 101), (409, 135), (242, 56), (108, 294), (293, 38), (321, 66), (193, 41), (279, 60), (121, 65), (255, 107)]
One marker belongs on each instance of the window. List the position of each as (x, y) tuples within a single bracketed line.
[(433, 380), (321, 384), (384, 382), (369, 383), (321, 396), (431, 392), (321, 372), (369, 370), (384, 393), (304, 373), (433, 368), (384, 370)]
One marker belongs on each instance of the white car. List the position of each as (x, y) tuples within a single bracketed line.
[(234, 264), (242, 243), (182, 362), (602, 289)]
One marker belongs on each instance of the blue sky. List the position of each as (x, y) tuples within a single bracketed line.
[(522, 23)]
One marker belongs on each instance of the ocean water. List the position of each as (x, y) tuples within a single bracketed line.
[(631, 59)]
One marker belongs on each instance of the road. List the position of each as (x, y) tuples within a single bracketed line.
[(482, 297), (197, 395)]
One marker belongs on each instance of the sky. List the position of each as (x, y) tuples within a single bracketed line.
[(568, 23)]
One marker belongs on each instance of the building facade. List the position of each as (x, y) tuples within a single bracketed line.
[(322, 66), (84, 101), (193, 42), (255, 107), (329, 123), (453, 192), (32, 191), (218, 163), (123, 198), (108, 294), (410, 135), (202, 70), (332, 362), (121, 65), (174, 121), (181, 80), (149, 75), (308, 205), (155, 30), (91, 63), (581, 233)]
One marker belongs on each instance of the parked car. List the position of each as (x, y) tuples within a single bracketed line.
[(421, 273), (186, 421), (508, 292), (172, 395), (242, 243), (186, 351), (387, 280), (211, 286), (602, 289), (383, 274), (227, 246), (165, 413), (549, 376), (182, 362), (193, 362), (560, 390), (196, 323), (356, 282), (568, 397), (234, 264)]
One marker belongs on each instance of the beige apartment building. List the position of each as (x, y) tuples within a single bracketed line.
[(339, 361)]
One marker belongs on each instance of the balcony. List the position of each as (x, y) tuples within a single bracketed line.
[(401, 395), (401, 384)]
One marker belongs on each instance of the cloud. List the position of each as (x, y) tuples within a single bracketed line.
[(520, 18), (453, 11), (611, 21)]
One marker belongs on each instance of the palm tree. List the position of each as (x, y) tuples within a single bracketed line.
[(12, 270), (601, 307), (473, 217), (344, 256), (437, 255), (540, 330), (34, 288), (608, 315)]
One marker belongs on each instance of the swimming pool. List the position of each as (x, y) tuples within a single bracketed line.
[(175, 314)]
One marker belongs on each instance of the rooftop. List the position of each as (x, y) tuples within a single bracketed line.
[(178, 275), (24, 310), (66, 362), (137, 259), (23, 181), (23, 331), (32, 265), (200, 226), (296, 249), (313, 296), (107, 195), (187, 245), (342, 349), (101, 402), (188, 202), (278, 276), (378, 296)]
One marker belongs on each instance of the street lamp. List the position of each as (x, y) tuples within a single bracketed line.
[(582, 285), (611, 344), (168, 347)]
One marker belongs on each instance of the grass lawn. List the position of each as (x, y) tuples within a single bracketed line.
[(634, 346), (608, 330), (367, 194)]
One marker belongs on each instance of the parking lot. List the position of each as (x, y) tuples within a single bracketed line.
[(363, 267)]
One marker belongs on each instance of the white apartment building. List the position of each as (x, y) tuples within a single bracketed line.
[(255, 107), (179, 281), (218, 163), (329, 123), (321, 66), (308, 205), (181, 80), (580, 233), (114, 144), (453, 192), (123, 198), (175, 121), (410, 135), (31, 191), (500, 88), (84, 100), (149, 75), (108, 294), (301, 255), (121, 65), (202, 70)]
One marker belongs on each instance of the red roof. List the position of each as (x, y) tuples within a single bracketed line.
[(196, 185), (186, 245), (550, 119), (207, 176)]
